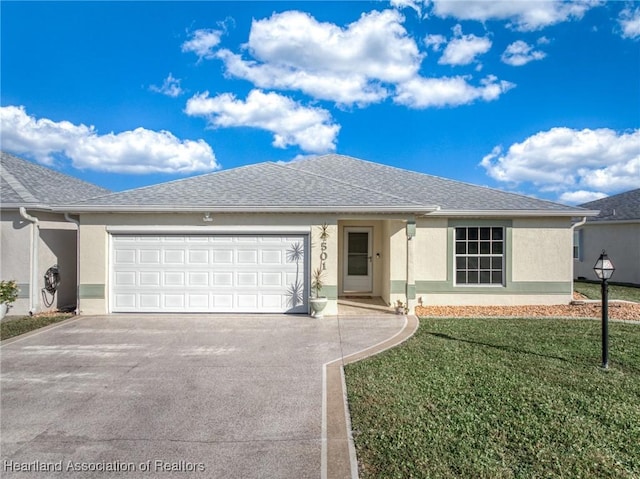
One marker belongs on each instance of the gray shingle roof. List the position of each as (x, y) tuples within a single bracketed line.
[(23, 183), (621, 207), (426, 189), (321, 183), (254, 186)]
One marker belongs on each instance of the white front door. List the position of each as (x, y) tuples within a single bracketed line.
[(357, 275)]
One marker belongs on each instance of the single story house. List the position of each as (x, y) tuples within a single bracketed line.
[(34, 239), (617, 230), (247, 240)]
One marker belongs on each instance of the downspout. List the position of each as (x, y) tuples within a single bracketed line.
[(77, 223), (406, 289), (573, 228), (34, 302), (410, 230)]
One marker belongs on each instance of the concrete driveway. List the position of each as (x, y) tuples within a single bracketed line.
[(174, 395)]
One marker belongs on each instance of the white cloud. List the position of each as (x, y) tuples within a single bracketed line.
[(524, 15), (454, 91), (413, 4), (630, 23), (366, 62), (203, 43), (520, 53), (581, 196), (464, 49), (170, 87), (135, 151), (294, 51), (344, 89), (435, 41), (564, 160), (291, 123)]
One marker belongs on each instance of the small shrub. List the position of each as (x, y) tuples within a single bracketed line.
[(8, 291)]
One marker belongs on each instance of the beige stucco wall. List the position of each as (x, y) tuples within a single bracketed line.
[(431, 249), (385, 290), (622, 244), (15, 256), (542, 250), (56, 245), (94, 245), (538, 263)]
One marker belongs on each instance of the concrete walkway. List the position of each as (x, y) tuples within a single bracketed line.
[(210, 396), (339, 456)]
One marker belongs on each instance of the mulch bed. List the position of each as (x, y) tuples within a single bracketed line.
[(617, 310)]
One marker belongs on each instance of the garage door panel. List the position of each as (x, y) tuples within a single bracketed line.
[(247, 239), (271, 301), (149, 256), (198, 301), (197, 239), (224, 273), (174, 256), (149, 300), (272, 279), (247, 279), (125, 256), (150, 278), (125, 301), (174, 278), (222, 302), (222, 279), (223, 256), (198, 278), (174, 301), (125, 278), (198, 256), (249, 256), (247, 301), (269, 256)]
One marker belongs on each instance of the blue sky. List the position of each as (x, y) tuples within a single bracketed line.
[(539, 97)]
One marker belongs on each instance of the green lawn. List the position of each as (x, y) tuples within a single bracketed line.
[(593, 291), (15, 327), (497, 398)]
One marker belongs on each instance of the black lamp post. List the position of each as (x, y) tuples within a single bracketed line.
[(604, 270)]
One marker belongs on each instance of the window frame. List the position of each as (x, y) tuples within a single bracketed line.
[(476, 238), (577, 245)]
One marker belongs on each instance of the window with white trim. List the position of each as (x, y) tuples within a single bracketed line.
[(479, 255), (577, 243)]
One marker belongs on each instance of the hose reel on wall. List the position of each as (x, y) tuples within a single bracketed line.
[(51, 283)]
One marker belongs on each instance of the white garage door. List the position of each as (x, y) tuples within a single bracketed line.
[(221, 273)]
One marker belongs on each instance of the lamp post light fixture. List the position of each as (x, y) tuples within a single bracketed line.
[(604, 270)]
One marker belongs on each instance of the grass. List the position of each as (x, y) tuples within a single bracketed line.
[(593, 291), (500, 398), (18, 326)]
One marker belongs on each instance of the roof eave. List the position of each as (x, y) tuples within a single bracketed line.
[(29, 206), (517, 213), (410, 209), (597, 221)]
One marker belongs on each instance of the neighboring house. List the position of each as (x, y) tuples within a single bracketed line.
[(247, 239), (617, 230), (33, 237)]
